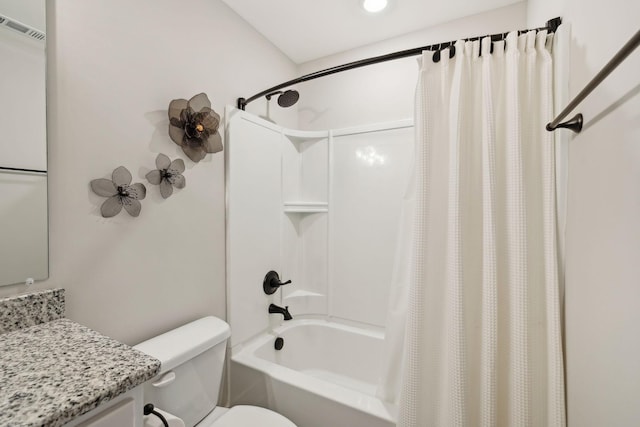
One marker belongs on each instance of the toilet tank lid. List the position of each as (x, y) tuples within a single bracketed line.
[(186, 342)]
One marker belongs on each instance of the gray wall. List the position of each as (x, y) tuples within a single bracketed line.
[(114, 66)]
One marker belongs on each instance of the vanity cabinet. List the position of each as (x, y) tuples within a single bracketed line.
[(123, 411)]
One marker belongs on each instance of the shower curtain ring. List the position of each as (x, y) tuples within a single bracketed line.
[(436, 55)]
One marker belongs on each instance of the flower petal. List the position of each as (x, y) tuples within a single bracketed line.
[(121, 176), (194, 153), (137, 191), (177, 165), (179, 181), (176, 122), (213, 144), (193, 142), (111, 207), (199, 101), (166, 189), (154, 177), (175, 108), (162, 161), (176, 134), (210, 120), (132, 206), (104, 187), (186, 115)]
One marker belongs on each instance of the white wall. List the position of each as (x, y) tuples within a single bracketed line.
[(384, 92), (114, 66), (603, 230)]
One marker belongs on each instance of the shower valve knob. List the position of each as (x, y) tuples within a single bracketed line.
[(272, 282)]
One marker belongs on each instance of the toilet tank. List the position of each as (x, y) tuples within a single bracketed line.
[(190, 377)]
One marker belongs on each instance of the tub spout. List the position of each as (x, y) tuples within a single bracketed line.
[(279, 310)]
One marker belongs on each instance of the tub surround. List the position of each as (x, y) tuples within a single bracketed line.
[(57, 370), (31, 309)]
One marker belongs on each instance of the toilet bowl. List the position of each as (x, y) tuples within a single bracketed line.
[(187, 388), (240, 415)]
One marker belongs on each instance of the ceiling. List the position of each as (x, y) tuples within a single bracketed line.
[(309, 29)]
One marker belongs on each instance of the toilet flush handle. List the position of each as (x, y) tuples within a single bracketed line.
[(165, 380)]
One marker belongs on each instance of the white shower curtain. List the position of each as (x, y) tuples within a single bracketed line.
[(483, 336)]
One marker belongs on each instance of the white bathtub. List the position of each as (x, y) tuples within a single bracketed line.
[(325, 375)]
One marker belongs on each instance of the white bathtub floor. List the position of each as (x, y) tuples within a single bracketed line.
[(344, 381)]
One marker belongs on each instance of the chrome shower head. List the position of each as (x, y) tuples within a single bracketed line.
[(286, 98)]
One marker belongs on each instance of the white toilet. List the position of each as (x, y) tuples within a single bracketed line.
[(186, 389)]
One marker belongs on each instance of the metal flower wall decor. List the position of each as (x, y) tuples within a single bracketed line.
[(193, 125), (120, 192), (168, 175)]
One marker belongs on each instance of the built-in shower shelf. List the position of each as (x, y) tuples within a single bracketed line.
[(305, 136), (302, 294), (306, 207)]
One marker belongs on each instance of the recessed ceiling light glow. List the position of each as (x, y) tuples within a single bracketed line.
[(374, 6)]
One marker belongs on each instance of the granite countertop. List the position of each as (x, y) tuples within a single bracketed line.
[(55, 371)]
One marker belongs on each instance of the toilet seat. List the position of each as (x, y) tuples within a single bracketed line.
[(245, 415)]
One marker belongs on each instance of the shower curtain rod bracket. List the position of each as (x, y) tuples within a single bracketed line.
[(575, 124), (553, 24)]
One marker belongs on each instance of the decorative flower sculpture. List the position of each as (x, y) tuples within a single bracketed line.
[(193, 125), (120, 192), (168, 175)]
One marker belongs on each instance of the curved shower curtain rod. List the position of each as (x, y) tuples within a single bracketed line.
[(551, 26)]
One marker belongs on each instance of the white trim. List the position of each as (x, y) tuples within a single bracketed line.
[(306, 135), (375, 127), (305, 207)]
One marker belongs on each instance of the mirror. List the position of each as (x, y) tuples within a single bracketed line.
[(23, 143)]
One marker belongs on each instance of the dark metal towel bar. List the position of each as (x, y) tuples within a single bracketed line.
[(575, 124)]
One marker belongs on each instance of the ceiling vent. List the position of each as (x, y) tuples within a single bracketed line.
[(21, 28)]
